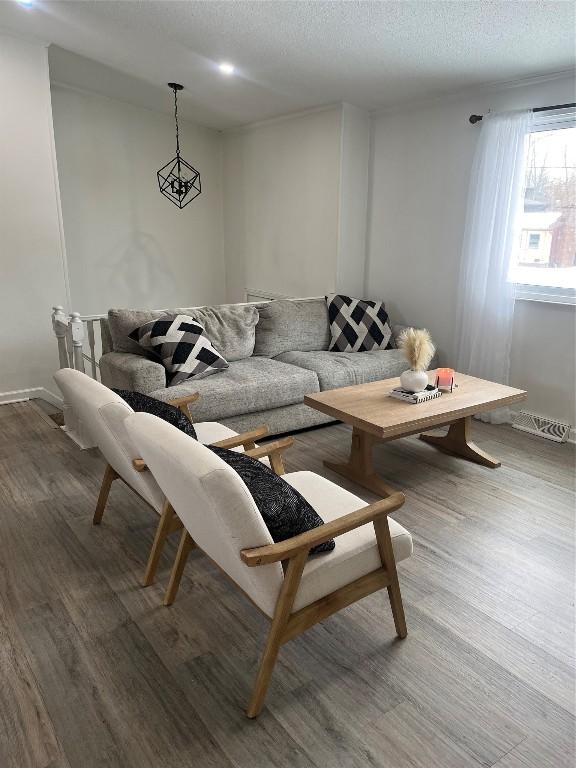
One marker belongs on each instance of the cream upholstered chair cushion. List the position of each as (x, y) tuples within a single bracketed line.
[(212, 502), (356, 552), (216, 508), (103, 413), (209, 432)]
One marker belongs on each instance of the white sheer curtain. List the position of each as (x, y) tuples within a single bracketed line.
[(485, 297)]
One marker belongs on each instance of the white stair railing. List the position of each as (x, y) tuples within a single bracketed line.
[(70, 336)]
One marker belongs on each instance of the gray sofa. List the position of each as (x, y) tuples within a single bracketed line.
[(278, 352)]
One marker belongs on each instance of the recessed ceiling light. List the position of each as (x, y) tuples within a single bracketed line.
[(226, 69)]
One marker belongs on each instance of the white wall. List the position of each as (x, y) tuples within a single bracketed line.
[(420, 175), (282, 205), (31, 269), (127, 245), (542, 359), (353, 212)]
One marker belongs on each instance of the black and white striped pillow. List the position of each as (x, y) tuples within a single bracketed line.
[(181, 346), (357, 325)]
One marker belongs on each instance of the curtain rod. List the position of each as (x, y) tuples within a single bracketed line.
[(476, 118)]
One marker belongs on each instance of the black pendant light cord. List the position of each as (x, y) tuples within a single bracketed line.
[(176, 120), (176, 87)]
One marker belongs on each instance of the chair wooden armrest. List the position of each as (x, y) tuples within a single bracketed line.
[(245, 439), (272, 449), (186, 400), (285, 550), (274, 452), (182, 403)]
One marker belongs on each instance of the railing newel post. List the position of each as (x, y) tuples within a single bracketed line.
[(77, 328), (60, 328)]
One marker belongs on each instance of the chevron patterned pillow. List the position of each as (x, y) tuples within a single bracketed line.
[(357, 325), (180, 344)]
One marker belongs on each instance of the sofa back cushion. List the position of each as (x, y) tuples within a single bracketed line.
[(230, 327), (287, 325)]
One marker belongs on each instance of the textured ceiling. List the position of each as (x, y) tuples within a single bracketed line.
[(296, 55)]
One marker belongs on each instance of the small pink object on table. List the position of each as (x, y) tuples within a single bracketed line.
[(445, 378)]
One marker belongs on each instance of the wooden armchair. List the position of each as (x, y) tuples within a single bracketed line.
[(103, 413), (292, 589)]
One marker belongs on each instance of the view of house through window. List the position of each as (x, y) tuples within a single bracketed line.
[(546, 246)]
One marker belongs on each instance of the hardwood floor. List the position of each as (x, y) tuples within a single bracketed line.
[(94, 671)]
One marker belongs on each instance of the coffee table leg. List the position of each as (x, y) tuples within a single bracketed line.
[(457, 441), (359, 467)]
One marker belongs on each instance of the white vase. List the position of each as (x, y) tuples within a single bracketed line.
[(414, 381)]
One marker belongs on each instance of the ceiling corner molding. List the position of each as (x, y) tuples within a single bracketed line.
[(82, 89), (463, 93), (25, 38), (246, 127)]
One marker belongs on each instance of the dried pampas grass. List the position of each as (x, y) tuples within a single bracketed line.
[(417, 346)]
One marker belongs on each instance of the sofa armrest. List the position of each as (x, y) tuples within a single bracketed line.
[(123, 370)]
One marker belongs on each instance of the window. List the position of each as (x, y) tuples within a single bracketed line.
[(544, 259)]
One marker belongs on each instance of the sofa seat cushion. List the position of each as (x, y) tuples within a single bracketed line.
[(356, 553), (247, 386), (343, 369)]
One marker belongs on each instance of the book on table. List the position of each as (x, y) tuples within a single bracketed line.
[(407, 396)]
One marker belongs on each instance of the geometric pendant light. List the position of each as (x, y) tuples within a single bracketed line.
[(178, 180)]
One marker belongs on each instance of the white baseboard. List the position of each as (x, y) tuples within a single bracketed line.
[(20, 395)]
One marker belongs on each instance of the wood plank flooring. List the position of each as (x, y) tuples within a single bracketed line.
[(95, 672)]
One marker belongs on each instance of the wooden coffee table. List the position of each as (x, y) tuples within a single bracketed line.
[(377, 418)]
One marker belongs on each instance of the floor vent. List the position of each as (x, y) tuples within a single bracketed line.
[(542, 426)]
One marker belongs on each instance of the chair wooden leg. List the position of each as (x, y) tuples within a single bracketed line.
[(162, 531), (277, 464), (109, 476), (274, 641), (186, 544), (388, 561)]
